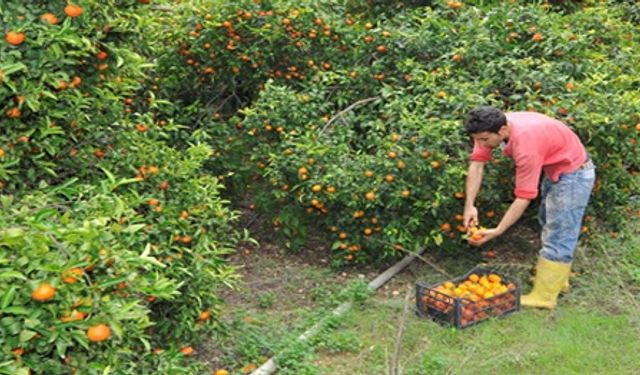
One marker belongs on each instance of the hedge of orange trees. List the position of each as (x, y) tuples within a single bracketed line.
[(112, 239), (352, 125)]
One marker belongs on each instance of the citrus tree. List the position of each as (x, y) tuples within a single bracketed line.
[(352, 125), (113, 239)]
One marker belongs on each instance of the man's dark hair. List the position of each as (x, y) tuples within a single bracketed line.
[(484, 119)]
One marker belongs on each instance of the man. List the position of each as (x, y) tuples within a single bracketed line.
[(540, 146)]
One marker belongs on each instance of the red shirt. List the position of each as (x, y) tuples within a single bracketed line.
[(537, 143)]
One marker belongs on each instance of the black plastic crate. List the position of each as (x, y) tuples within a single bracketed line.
[(465, 306)]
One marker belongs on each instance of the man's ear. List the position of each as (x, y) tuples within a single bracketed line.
[(504, 131)]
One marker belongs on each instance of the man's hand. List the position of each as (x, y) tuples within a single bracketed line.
[(470, 217), (482, 236)]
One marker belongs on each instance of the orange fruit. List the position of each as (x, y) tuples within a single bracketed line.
[(15, 38), (221, 371), (71, 276), (50, 18), (13, 112), (99, 332), (537, 37), (406, 193), (102, 55), (2, 153), (205, 315), (445, 227), (316, 188), (494, 278), (187, 350), (73, 10), (389, 178), (74, 315), (474, 278), (43, 292), (435, 164), (392, 154), (370, 196)]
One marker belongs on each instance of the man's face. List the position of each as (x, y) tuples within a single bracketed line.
[(489, 139)]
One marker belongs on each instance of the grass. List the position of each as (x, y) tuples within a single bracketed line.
[(530, 342), (595, 328)]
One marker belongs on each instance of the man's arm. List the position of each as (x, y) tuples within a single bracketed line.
[(472, 187)]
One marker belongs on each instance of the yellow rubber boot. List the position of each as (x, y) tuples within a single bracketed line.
[(551, 278), (565, 286)]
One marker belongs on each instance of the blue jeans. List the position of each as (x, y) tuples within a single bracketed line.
[(561, 211)]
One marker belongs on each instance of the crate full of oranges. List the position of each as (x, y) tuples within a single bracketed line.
[(480, 294)]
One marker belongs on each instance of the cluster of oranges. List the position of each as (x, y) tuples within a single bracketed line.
[(473, 233), (476, 287), (481, 296)]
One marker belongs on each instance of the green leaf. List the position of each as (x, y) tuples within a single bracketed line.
[(11, 274), (44, 213), (26, 335), (8, 69), (133, 228), (7, 298), (111, 282), (16, 310)]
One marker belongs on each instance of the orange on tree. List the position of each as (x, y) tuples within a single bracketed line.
[(13, 112), (72, 275), (50, 18), (204, 315), (15, 38), (73, 10), (73, 316), (43, 292), (221, 371), (98, 333), (187, 351)]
